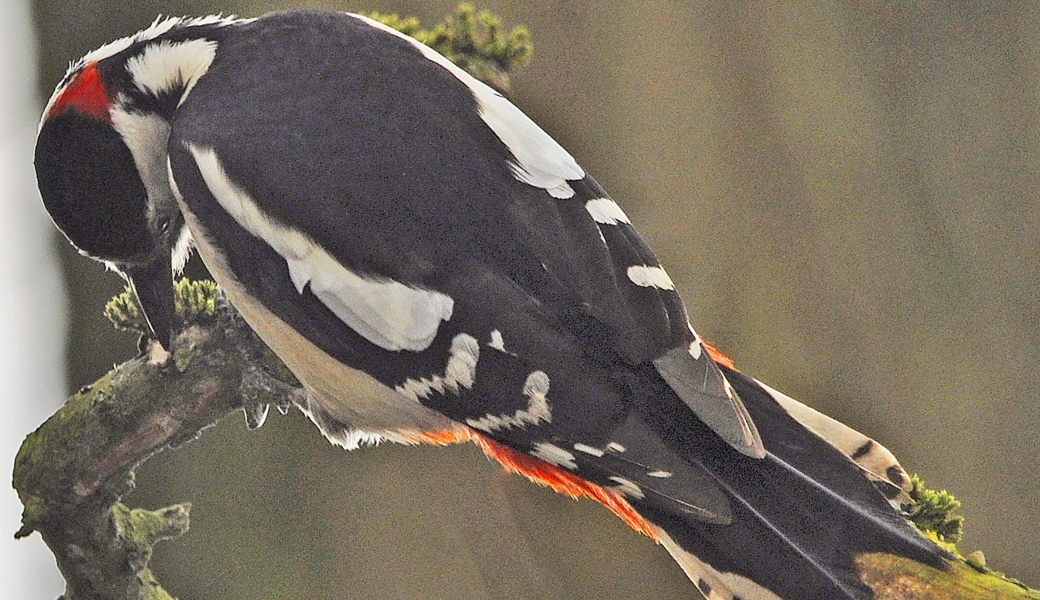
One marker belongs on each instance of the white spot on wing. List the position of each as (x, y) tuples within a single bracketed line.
[(535, 388), (695, 349), (390, 314), (554, 455), (462, 366), (589, 450), (626, 487), (459, 372), (645, 276), (606, 211), (615, 447), (496, 341), (540, 161), (659, 474)]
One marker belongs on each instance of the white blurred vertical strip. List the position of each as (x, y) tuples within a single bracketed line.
[(32, 304)]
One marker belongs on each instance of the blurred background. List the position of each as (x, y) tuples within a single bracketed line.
[(846, 194)]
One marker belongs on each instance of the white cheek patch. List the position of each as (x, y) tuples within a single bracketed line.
[(540, 161), (390, 314)]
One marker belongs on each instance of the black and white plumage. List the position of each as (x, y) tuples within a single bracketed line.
[(429, 262)]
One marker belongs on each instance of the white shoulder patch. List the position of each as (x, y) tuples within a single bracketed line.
[(390, 314), (165, 65), (540, 161)]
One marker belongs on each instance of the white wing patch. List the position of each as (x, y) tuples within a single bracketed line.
[(646, 276), (589, 450), (537, 411), (540, 161), (390, 314)]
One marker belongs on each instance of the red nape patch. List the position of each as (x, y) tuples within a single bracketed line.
[(543, 473), (86, 94), (717, 356)]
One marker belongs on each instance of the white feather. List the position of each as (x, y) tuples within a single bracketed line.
[(713, 584), (390, 314), (540, 161), (165, 65), (605, 211), (646, 276), (877, 462)]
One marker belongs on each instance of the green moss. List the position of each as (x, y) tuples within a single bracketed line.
[(475, 41), (196, 302), (125, 313), (932, 512)]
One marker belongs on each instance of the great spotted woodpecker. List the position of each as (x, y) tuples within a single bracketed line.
[(434, 267)]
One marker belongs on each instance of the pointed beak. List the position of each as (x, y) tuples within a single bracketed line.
[(153, 284)]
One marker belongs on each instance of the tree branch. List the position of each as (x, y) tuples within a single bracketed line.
[(71, 472)]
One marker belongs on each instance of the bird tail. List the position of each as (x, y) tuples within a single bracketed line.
[(800, 516)]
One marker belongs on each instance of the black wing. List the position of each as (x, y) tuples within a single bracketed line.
[(393, 170)]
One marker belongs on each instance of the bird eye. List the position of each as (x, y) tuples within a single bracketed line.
[(164, 225)]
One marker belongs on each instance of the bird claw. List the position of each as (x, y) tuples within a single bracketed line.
[(259, 390), (255, 412)]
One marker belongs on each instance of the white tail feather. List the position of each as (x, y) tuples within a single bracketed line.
[(712, 584)]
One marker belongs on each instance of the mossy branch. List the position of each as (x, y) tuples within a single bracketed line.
[(71, 472), (474, 41)]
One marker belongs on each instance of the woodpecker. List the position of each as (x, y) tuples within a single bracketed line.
[(434, 267)]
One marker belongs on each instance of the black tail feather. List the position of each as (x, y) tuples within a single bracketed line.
[(800, 515)]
